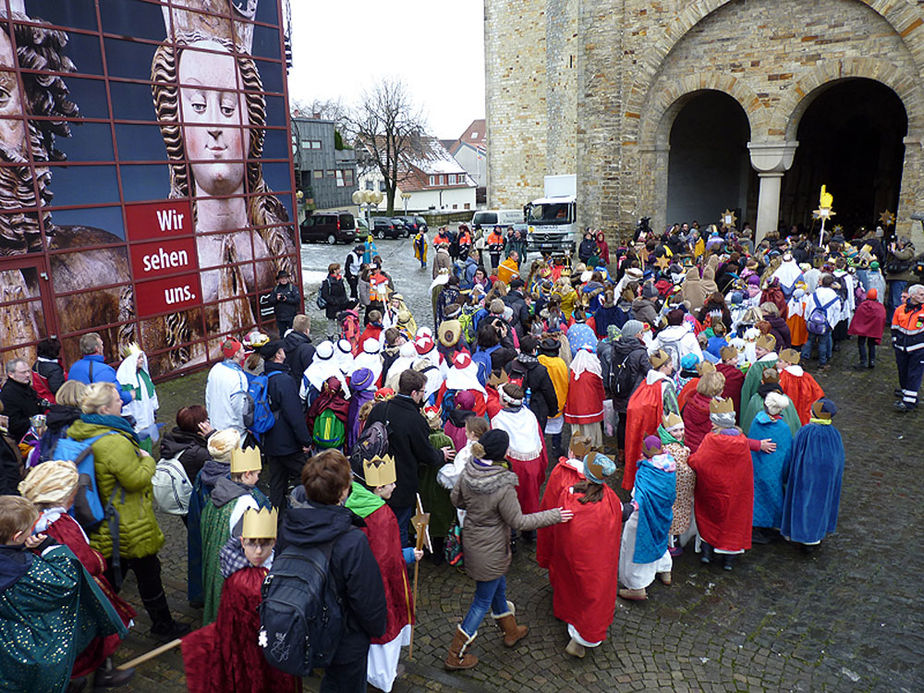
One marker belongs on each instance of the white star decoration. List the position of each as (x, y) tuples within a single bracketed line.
[(262, 640)]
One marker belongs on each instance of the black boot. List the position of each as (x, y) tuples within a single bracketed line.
[(708, 553), (729, 563), (76, 685), (108, 676), (438, 557), (163, 627)]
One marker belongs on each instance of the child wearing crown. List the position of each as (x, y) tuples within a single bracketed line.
[(225, 655), (222, 516), (373, 483)]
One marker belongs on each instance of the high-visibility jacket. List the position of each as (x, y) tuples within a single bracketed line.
[(908, 327), (495, 242)]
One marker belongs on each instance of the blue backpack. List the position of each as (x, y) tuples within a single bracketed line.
[(301, 616), (263, 417), (88, 509)]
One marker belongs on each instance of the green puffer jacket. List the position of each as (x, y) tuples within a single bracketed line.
[(116, 459)]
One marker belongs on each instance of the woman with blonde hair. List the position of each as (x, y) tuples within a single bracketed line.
[(58, 419), (123, 478), (696, 412)]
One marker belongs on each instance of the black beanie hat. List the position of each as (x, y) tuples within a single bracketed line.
[(495, 443)]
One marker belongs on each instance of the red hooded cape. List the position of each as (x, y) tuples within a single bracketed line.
[(224, 656), (583, 573), (687, 392), (868, 320), (734, 379), (643, 416), (385, 541), (696, 420), (724, 495), (803, 390)]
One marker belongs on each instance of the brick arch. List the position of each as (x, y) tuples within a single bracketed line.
[(904, 19), (659, 113), (797, 100)]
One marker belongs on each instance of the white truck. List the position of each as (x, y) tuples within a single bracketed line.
[(551, 221)]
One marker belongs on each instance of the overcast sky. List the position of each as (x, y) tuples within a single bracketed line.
[(435, 47)]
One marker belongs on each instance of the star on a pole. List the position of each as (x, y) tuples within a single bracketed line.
[(887, 218), (729, 217), (663, 262)]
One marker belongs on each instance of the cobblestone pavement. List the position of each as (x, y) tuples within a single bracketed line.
[(846, 617)]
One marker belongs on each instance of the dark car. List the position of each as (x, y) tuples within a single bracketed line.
[(385, 227), (414, 223), (338, 227)]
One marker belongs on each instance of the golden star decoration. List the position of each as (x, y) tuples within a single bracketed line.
[(663, 262), (823, 213), (729, 217), (887, 218)]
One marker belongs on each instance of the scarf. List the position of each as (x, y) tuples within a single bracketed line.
[(823, 422), (586, 360), (667, 437), (112, 421)]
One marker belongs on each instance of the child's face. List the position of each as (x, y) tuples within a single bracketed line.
[(384, 492), (251, 478), (257, 551)]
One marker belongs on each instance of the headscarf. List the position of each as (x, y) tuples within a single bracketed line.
[(369, 358), (323, 366), (362, 386), (50, 483), (464, 375), (586, 360), (133, 374)]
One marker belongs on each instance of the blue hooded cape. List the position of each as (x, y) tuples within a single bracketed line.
[(655, 492), (813, 486), (769, 469)]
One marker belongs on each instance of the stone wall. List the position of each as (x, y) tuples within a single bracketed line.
[(637, 61)]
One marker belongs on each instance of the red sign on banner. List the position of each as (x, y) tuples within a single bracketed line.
[(160, 258), (167, 294), (159, 219)]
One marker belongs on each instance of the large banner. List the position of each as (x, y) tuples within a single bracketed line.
[(145, 174)]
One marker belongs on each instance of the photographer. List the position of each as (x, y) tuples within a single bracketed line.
[(20, 400), (898, 269), (284, 300)]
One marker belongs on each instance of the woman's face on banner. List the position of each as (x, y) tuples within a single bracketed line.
[(214, 113), (12, 132)]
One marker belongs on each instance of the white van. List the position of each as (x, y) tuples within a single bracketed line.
[(489, 218)]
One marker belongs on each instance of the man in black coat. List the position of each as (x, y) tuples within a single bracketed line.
[(298, 347), (408, 443), (542, 400), (334, 294), (20, 401), (286, 443), (285, 301), (516, 301), (627, 352), (317, 517)]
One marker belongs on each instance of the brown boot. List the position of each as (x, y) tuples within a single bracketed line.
[(633, 595), (458, 658), (508, 623)]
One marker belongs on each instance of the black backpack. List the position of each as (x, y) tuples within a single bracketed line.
[(621, 380), (301, 615)]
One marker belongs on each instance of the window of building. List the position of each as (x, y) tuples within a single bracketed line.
[(440, 179), (432, 180), (467, 206), (339, 173), (370, 184), (452, 178), (455, 206), (381, 186), (330, 173), (311, 144), (348, 177), (319, 174), (474, 134)]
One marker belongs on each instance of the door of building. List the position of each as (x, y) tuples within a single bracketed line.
[(27, 313)]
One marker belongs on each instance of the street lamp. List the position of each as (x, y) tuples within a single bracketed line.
[(405, 196), (369, 199)]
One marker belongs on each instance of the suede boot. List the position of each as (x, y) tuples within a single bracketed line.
[(507, 622), (163, 627), (457, 658), (575, 649)]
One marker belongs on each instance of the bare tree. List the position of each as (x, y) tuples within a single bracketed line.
[(388, 125)]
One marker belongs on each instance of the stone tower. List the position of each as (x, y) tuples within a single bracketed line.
[(678, 108)]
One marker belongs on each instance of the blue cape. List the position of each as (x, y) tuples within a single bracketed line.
[(813, 486), (655, 492), (769, 469)]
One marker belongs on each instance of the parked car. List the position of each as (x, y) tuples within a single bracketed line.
[(384, 227), (337, 227), (414, 223), (362, 228)]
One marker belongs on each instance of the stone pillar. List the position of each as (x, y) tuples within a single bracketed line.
[(770, 160)]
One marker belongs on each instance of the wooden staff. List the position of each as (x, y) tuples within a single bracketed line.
[(420, 521), (149, 655)]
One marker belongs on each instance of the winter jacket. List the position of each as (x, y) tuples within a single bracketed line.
[(191, 448), (334, 292), (117, 461), (644, 310), (299, 352), (286, 307), (225, 388), (441, 260), (408, 443), (290, 432), (632, 351), (52, 371), (517, 304), (677, 341), (488, 496), (543, 402), (352, 566), (780, 330), (10, 467), (92, 369), (19, 403)]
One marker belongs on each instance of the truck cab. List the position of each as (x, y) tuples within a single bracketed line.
[(551, 225)]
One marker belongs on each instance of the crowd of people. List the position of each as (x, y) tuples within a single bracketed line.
[(675, 366)]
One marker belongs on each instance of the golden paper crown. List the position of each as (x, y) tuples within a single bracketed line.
[(728, 352), (260, 524), (129, 349), (672, 420), (790, 356), (704, 367), (226, 20), (766, 341), (721, 406), (245, 460), (658, 359), (380, 471)]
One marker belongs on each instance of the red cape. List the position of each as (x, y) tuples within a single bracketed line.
[(531, 474), (868, 320), (724, 496), (696, 422), (804, 391), (574, 562), (382, 532), (687, 392), (224, 656), (643, 416), (734, 379)]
